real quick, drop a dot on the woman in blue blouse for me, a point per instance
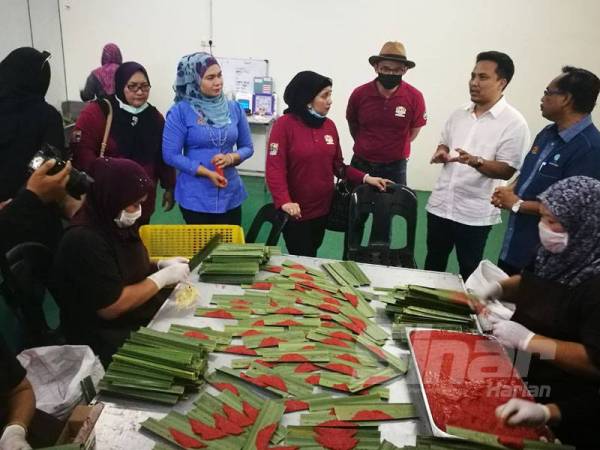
(200, 132)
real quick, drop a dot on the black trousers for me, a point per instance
(395, 171)
(304, 238)
(231, 217)
(443, 235)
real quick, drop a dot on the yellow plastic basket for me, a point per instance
(164, 241)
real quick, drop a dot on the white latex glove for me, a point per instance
(497, 309)
(162, 263)
(13, 438)
(491, 291)
(172, 274)
(511, 334)
(523, 412)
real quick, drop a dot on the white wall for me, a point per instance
(155, 33)
(336, 37)
(14, 23)
(45, 25)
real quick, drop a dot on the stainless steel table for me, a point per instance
(118, 425)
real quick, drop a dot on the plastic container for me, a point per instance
(165, 241)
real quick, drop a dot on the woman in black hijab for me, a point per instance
(135, 134)
(102, 278)
(26, 120)
(304, 155)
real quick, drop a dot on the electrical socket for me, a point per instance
(204, 43)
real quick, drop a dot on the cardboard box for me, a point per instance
(78, 432)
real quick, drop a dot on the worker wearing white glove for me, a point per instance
(491, 291)
(519, 412)
(162, 263)
(497, 309)
(511, 334)
(13, 438)
(172, 274)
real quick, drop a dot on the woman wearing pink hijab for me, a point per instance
(101, 82)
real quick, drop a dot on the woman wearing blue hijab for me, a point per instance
(201, 130)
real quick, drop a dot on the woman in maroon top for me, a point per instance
(136, 133)
(304, 154)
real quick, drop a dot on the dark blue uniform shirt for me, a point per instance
(554, 155)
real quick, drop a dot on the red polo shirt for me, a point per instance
(381, 126)
(301, 163)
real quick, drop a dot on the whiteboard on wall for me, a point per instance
(239, 73)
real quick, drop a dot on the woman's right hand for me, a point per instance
(172, 274)
(218, 180)
(293, 209)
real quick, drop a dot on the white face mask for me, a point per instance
(553, 241)
(127, 219)
(131, 109)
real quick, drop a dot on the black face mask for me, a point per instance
(389, 81)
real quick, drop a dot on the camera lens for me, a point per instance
(79, 183)
(36, 162)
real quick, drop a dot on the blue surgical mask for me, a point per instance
(131, 109)
(316, 114)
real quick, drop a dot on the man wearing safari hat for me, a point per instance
(385, 115)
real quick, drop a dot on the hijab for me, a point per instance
(24, 75)
(190, 70)
(301, 91)
(575, 202)
(118, 183)
(111, 59)
(26, 120)
(138, 136)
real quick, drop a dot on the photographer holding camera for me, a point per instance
(31, 215)
(24, 219)
(31, 135)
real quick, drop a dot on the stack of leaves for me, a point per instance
(156, 366)
(296, 330)
(346, 273)
(302, 329)
(473, 440)
(417, 306)
(356, 428)
(235, 419)
(234, 263)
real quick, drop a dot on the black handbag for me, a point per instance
(340, 206)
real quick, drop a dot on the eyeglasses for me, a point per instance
(548, 92)
(134, 87)
(388, 71)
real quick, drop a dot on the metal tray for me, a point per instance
(435, 430)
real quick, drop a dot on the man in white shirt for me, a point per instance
(482, 144)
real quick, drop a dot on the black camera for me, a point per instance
(79, 182)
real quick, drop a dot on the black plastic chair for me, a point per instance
(397, 200)
(25, 269)
(275, 217)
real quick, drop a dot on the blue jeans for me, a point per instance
(395, 170)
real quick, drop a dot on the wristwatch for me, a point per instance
(516, 206)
